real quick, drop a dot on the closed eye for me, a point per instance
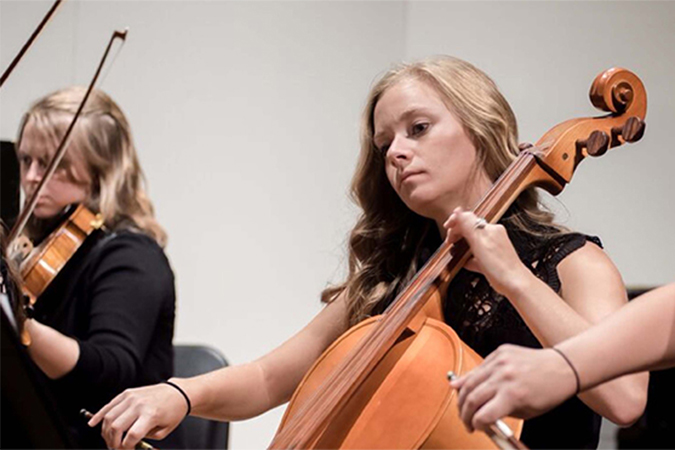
(25, 160)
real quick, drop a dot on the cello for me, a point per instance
(382, 383)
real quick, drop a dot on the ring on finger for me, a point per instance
(480, 224)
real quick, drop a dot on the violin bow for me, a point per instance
(29, 42)
(61, 150)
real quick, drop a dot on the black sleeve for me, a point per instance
(130, 289)
(560, 248)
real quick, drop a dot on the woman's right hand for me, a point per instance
(513, 381)
(152, 411)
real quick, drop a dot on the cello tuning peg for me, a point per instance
(631, 131)
(597, 143)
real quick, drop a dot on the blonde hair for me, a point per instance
(385, 242)
(103, 147)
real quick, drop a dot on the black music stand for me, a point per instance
(9, 184)
(28, 417)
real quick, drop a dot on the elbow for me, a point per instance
(630, 409)
(628, 416)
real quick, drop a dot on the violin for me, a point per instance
(40, 265)
(382, 384)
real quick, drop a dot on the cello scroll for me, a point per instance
(616, 90)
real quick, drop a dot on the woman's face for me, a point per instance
(61, 190)
(429, 158)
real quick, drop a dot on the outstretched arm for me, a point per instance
(231, 393)
(525, 382)
(642, 334)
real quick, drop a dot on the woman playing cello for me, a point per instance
(436, 134)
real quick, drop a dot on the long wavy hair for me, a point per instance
(101, 155)
(385, 242)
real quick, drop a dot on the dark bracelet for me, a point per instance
(569, 363)
(179, 389)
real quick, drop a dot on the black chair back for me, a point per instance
(194, 432)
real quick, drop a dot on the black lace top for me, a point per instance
(484, 320)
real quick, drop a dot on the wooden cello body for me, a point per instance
(383, 383)
(413, 373)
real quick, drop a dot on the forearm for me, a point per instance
(642, 333)
(549, 317)
(231, 393)
(245, 391)
(54, 353)
(553, 321)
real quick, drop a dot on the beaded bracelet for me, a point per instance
(179, 389)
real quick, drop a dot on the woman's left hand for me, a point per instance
(493, 253)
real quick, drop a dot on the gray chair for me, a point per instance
(194, 432)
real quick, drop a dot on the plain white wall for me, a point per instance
(246, 118)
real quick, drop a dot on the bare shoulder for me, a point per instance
(591, 283)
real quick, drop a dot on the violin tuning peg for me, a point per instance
(633, 129)
(597, 143)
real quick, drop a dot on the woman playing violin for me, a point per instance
(106, 321)
(435, 136)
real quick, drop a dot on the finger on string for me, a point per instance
(458, 227)
(453, 216)
(473, 265)
(453, 235)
